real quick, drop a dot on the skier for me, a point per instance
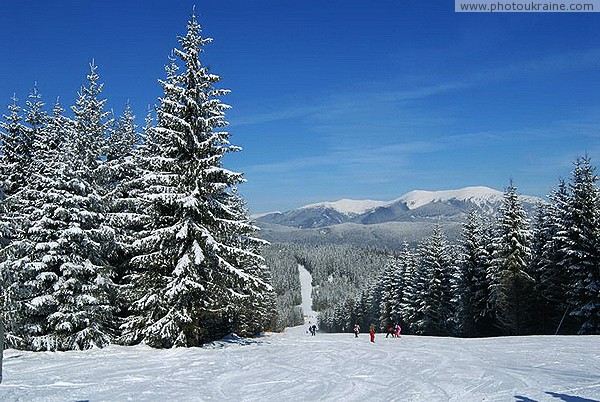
(356, 330)
(313, 330)
(372, 332)
(391, 332)
(397, 331)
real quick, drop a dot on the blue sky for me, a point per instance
(341, 99)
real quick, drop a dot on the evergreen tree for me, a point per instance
(197, 272)
(580, 237)
(388, 293)
(473, 288)
(120, 182)
(436, 274)
(510, 282)
(37, 118)
(551, 279)
(16, 149)
(13, 167)
(67, 280)
(15, 173)
(394, 288)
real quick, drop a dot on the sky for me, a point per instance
(340, 99)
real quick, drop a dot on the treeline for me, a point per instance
(113, 234)
(510, 276)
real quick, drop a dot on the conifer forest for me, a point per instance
(115, 233)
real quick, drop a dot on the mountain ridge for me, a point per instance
(414, 206)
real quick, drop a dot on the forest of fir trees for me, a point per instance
(510, 275)
(113, 234)
(109, 234)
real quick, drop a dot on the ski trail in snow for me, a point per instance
(310, 316)
(292, 366)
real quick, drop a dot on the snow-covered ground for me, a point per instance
(332, 367)
(294, 366)
(310, 316)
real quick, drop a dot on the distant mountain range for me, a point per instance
(450, 206)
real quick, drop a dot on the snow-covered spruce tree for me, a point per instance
(33, 278)
(472, 287)
(119, 182)
(551, 279)
(197, 274)
(71, 294)
(394, 288)
(410, 297)
(15, 177)
(580, 235)
(436, 274)
(511, 285)
(388, 292)
(371, 299)
(13, 166)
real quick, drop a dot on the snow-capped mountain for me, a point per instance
(348, 207)
(479, 196)
(414, 206)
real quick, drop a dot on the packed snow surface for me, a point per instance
(310, 316)
(294, 366)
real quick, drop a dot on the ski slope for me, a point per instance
(310, 316)
(294, 366)
(330, 367)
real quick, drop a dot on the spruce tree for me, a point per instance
(15, 173)
(197, 274)
(580, 238)
(436, 276)
(72, 288)
(551, 278)
(510, 282)
(472, 287)
(388, 292)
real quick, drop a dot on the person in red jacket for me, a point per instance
(372, 332)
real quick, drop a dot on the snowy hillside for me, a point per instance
(294, 366)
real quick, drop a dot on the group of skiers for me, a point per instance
(392, 330)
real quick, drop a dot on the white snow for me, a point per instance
(294, 366)
(310, 316)
(479, 195)
(347, 206)
(254, 217)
